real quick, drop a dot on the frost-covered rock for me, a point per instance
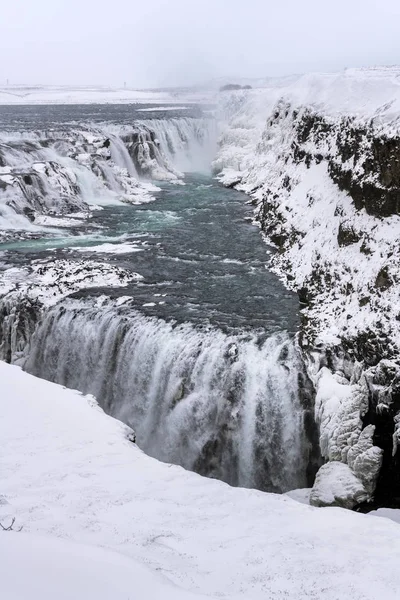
(26, 292)
(365, 459)
(336, 485)
(338, 409)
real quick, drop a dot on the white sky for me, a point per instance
(150, 43)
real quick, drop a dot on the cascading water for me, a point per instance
(233, 405)
(225, 406)
(189, 144)
(60, 172)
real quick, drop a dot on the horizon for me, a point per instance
(222, 79)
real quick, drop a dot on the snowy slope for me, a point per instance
(70, 472)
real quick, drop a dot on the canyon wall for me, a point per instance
(320, 159)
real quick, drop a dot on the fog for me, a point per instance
(157, 43)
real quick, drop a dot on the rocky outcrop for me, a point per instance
(26, 293)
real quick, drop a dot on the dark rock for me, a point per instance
(347, 235)
(365, 249)
(303, 295)
(230, 87)
(383, 280)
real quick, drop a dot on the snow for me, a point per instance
(301, 495)
(70, 473)
(48, 221)
(44, 568)
(79, 95)
(109, 248)
(336, 485)
(163, 108)
(387, 513)
(50, 281)
(338, 409)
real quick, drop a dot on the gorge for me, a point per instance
(154, 296)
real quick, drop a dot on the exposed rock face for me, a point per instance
(368, 167)
(324, 176)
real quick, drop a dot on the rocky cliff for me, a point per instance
(320, 160)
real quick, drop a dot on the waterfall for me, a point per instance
(60, 172)
(225, 406)
(120, 155)
(189, 144)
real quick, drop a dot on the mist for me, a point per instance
(180, 42)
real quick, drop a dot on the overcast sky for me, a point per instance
(150, 43)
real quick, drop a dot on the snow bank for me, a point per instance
(387, 513)
(70, 472)
(44, 568)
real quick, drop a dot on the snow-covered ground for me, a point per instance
(78, 95)
(72, 474)
(44, 568)
(46, 94)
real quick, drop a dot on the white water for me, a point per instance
(60, 172)
(189, 144)
(121, 157)
(225, 406)
(221, 405)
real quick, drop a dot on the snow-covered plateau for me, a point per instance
(101, 519)
(60, 95)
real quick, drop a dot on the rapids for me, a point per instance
(199, 356)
